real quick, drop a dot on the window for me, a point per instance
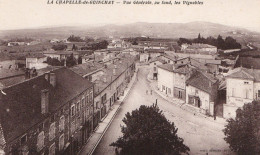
(246, 82)
(52, 149)
(155, 63)
(73, 126)
(90, 96)
(72, 112)
(61, 142)
(52, 132)
(196, 91)
(87, 99)
(163, 87)
(23, 139)
(87, 111)
(104, 98)
(154, 68)
(82, 102)
(40, 141)
(96, 105)
(78, 106)
(61, 123)
(258, 93)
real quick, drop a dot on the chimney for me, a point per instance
(47, 76)
(65, 63)
(105, 79)
(53, 79)
(34, 73)
(115, 66)
(45, 101)
(173, 67)
(27, 73)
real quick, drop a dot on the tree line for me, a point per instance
(25, 39)
(73, 38)
(219, 42)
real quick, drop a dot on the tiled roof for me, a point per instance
(36, 55)
(122, 65)
(155, 50)
(20, 105)
(12, 80)
(202, 81)
(216, 62)
(169, 57)
(10, 72)
(61, 52)
(86, 68)
(197, 46)
(168, 67)
(157, 59)
(182, 69)
(248, 62)
(244, 73)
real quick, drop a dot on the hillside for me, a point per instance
(164, 30)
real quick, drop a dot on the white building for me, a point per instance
(144, 57)
(153, 67)
(36, 62)
(243, 86)
(198, 48)
(166, 79)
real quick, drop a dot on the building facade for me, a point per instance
(55, 114)
(243, 86)
(202, 91)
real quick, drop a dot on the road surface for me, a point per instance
(200, 134)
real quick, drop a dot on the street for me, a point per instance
(199, 134)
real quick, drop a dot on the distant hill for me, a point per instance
(163, 30)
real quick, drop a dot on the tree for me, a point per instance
(134, 42)
(73, 38)
(59, 47)
(74, 47)
(80, 60)
(53, 62)
(220, 42)
(71, 61)
(148, 132)
(243, 133)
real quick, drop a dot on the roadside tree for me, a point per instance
(148, 132)
(243, 133)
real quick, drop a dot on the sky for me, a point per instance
(20, 14)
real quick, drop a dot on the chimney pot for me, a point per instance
(47, 76)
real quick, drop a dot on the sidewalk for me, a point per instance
(182, 104)
(99, 132)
